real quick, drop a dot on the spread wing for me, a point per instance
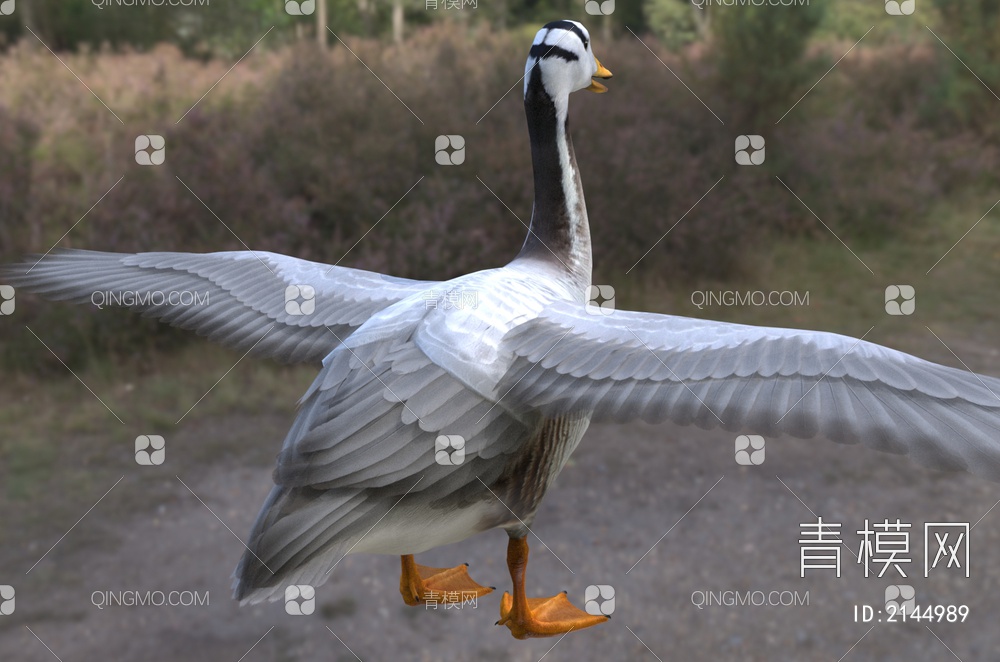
(752, 379)
(233, 298)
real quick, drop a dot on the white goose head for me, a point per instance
(562, 61)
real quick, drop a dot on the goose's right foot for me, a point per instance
(421, 584)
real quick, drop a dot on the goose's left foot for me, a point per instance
(537, 617)
(420, 584)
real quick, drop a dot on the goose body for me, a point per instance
(518, 376)
(365, 436)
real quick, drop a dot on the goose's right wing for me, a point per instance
(239, 299)
(753, 379)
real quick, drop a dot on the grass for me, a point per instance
(62, 449)
(154, 400)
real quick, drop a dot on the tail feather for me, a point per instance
(297, 538)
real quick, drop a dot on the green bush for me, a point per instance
(676, 22)
(967, 100)
(760, 58)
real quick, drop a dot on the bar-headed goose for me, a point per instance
(519, 376)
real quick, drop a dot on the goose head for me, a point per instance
(561, 61)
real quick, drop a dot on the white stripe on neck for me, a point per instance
(570, 180)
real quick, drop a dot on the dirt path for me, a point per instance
(626, 487)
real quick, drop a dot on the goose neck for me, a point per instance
(559, 230)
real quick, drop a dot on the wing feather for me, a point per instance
(755, 380)
(233, 298)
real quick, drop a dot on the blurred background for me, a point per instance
(301, 149)
(298, 133)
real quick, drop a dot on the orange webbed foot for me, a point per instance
(421, 584)
(545, 617)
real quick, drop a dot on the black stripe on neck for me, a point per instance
(550, 220)
(568, 25)
(541, 51)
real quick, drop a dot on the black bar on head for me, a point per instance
(542, 51)
(568, 25)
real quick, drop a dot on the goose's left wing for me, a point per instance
(767, 381)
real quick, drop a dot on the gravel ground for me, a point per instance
(625, 489)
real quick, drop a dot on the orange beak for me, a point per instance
(602, 72)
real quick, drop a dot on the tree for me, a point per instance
(321, 24)
(760, 57)
(972, 29)
(397, 21)
(677, 22)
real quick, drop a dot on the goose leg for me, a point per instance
(420, 584)
(537, 617)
